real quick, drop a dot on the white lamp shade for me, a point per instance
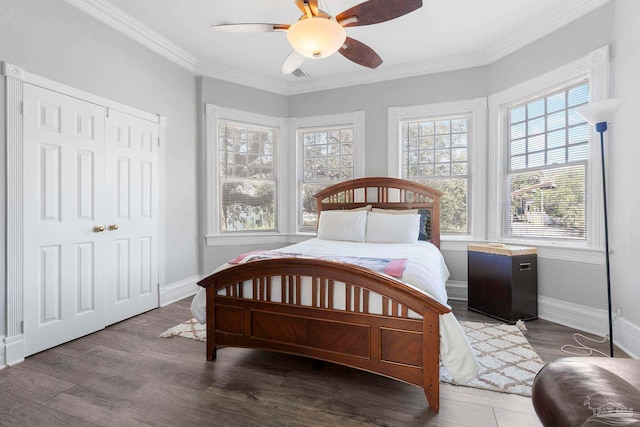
(600, 111)
(316, 37)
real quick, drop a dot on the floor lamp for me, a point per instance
(598, 114)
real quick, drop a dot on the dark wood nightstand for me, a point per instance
(503, 281)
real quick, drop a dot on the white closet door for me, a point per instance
(132, 196)
(64, 280)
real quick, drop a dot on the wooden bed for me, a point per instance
(389, 344)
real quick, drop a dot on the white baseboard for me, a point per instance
(3, 360)
(626, 335)
(178, 290)
(457, 290)
(582, 317)
(13, 350)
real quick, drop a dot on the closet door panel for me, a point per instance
(63, 202)
(132, 211)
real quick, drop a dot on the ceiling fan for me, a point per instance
(318, 35)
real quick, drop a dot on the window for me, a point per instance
(434, 145)
(327, 158)
(248, 176)
(435, 153)
(544, 162)
(242, 174)
(548, 151)
(330, 150)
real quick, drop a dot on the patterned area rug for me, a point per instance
(508, 364)
(190, 329)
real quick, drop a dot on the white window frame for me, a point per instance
(596, 68)
(354, 119)
(213, 235)
(476, 155)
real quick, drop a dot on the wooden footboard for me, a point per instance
(390, 343)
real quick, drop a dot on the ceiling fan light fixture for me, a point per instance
(316, 37)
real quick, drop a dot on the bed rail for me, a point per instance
(389, 343)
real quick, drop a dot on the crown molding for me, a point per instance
(391, 72)
(243, 78)
(117, 19)
(566, 13)
(109, 14)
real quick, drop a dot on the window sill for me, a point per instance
(563, 252)
(580, 254)
(245, 239)
(558, 252)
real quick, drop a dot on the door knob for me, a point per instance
(113, 227)
(98, 229)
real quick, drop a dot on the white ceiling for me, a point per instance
(442, 35)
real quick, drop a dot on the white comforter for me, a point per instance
(425, 271)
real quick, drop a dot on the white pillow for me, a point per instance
(342, 225)
(390, 228)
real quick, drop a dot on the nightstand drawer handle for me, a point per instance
(525, 266)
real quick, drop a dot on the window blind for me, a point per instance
(548, 151)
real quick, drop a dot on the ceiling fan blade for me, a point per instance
(249, 28)
(375, 11)
(293, 61)
(360, 53)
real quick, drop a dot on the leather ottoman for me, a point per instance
(588, 391)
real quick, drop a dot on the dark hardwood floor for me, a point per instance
(126, 375)
(545, 337)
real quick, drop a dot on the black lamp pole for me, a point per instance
(598, 113)
(601, 128)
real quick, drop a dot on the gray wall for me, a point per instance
(243, 98)
(231, 95)
(374, 99)
(623, 142)
(564, 45)
(57, 41)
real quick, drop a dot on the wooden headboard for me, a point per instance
(385, 193)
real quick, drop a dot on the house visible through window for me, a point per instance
(328, 157)
(435, 153)
(248, 176)
(548, 150)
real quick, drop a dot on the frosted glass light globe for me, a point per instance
(316, 37)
